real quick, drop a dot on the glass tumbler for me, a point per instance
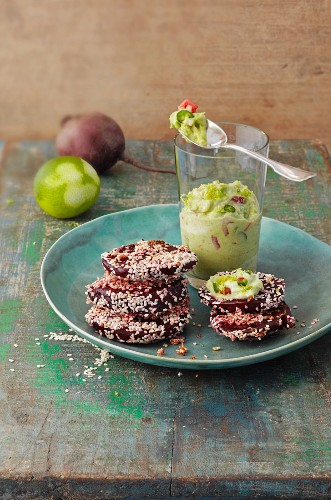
(222, 241)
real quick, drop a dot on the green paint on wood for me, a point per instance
(53, 321)
(9, 312)
(55, 376)
(118, 396)
(319, 448)
(4, 351)
(32, 245)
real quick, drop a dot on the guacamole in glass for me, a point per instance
(221, 224)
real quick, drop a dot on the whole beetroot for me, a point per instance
(97, 139)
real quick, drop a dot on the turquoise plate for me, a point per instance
(302, 260)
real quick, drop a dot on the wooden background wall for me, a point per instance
(262, 62)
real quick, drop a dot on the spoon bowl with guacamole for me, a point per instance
(197, 129)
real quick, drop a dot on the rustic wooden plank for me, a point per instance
(251, 425)
(46, 418)
(247, 66)
(303, 205)
(142, 430)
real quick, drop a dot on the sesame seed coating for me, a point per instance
(143, 297)
(251, 326)
(131, 328)
(269, 297)
(152, 259)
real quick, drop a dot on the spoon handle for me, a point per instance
(292, 173)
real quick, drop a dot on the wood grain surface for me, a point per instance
(261, 62)
(135, 430)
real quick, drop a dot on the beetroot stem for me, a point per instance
(136, 163)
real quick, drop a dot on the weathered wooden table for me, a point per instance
(136, 430)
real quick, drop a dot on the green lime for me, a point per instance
(66, 186)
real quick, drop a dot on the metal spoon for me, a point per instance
(217, 138)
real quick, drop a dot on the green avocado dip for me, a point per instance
(191, 124)
(221, 223)
(238, 284)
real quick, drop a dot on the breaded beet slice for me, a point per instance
(269, 297)
(151, 260)
(251, 326)
(131, 328)
(143, 297)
